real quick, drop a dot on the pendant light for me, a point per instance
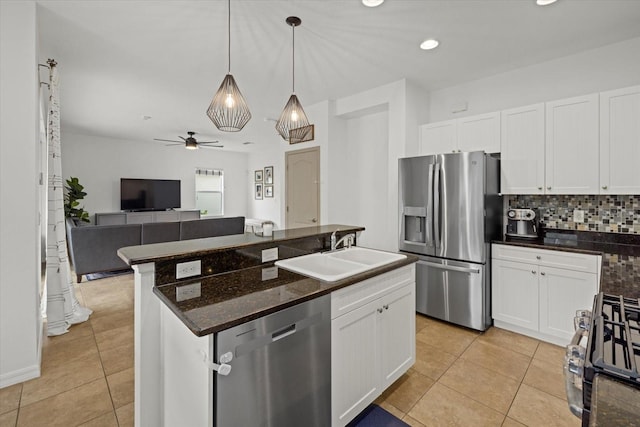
(228, 110)
(293, 115)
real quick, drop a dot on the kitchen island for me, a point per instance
(176, 321)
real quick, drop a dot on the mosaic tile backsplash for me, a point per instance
(603, 213)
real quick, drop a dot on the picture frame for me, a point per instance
(258, 175)
(258, 191)
(268, 191)
(268, 175)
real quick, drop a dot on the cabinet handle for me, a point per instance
(604, 187)
(453, 151)
(386, 307)
(379, 310)
(548, 188)
(543, 273)
(538, 257)
(533, 272)
(540, 188)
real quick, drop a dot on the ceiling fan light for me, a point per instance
(229, 110)
(372, 3)
(292, 117)
(191, 144)
(545, 2)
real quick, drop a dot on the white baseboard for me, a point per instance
(20, 375)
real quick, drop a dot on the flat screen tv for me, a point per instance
(149, 194)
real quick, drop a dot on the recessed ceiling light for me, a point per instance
(544, 2)
(429, 44)
(372, 3)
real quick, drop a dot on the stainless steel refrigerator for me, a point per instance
(450, 210)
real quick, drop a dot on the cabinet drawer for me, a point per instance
(355, 296)
(548, 258)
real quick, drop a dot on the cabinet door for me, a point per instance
(572, 149)
(514, 290)
(111, 218)
(355, 375)
(189, 215)
(562, 292)
(139, 217)
(479, 133)
(166, 216)
(522, 150)
(438, 138)
(397, 334)
(620, 141)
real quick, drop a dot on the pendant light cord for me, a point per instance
(293, 59)
(229, 36)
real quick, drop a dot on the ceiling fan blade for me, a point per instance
(171, 145)
(166, 140)
(213, 146)
(209, 142)
(182, 138)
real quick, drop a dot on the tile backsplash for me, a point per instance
(612, 214)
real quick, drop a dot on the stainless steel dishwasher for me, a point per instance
(280, 371)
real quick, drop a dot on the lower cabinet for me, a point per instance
(373, 340)
(532, 296)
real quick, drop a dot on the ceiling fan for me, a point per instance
(190, 142)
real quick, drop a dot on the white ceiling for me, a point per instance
(120, 60)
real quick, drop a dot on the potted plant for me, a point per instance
(72, 208)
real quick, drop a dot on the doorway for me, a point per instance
(302, 184)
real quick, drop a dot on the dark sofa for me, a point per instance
(93, 248)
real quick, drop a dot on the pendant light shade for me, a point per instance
(228, 110)
(293, 116)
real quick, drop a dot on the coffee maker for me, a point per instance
(522, 223)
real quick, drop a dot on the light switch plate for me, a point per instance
(193, 290)
(578, 215)
(188, 269)
(270, 255)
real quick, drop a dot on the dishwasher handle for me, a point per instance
(449, 267)
(283, 333)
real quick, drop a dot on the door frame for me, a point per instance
(286, 180)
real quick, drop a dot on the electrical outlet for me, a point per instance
(578, 215)
(193, 290)
(270, 254)
(188, 269)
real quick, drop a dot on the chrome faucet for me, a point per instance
(347, 239)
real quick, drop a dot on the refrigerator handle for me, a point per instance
(449, 267)
(436, 204)
(429, 216)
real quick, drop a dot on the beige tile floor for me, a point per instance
(460, 378)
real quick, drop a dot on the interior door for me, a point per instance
(302, 170)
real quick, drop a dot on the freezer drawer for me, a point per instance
(453, 291)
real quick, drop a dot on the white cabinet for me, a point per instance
(620, 141)
(474, 133)
(373, 340)
(536, 292)
(571, 146)
(522, 150)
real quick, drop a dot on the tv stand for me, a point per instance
(139, 217)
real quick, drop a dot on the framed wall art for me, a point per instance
(268, 191)
(259, 191)
(268, 175)
(258, 176)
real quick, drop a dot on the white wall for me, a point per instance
(609, 67)
(99, 163)
(20, 321)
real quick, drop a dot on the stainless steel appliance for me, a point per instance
(280, 369)
(522, 223)
(450, 210)
(612, 354)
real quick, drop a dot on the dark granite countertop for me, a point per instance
(232, 298)
(620, 273)
(614, 403)
(201, 247)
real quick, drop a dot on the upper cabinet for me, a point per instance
(522, 154)
(571, 146)
(474, 133)
(620, 141)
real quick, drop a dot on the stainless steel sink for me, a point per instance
(338, 265)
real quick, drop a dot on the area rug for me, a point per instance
(375, 416)
(106, 274)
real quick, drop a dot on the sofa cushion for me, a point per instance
(95, 248)
(157, 232)
(211, 227)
